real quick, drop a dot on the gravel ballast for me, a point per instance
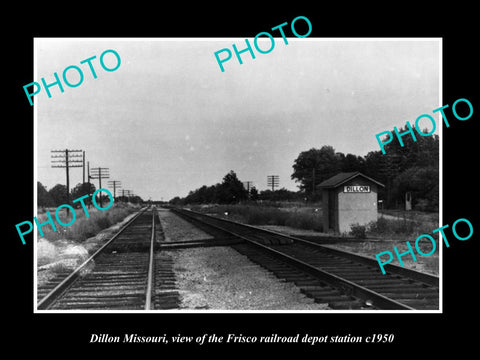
(366, 247)
(177, 229)
(219, 278)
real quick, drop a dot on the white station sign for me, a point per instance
(356, 189)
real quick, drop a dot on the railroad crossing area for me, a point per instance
(174, 259)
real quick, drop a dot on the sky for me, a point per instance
(168, 121)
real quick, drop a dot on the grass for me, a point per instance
(395, 225)
(66, 248)
(378, 236)
(84, 227)
(369, 248)
(390, 232)
(422, 216)
(301, 218)
(400, 228)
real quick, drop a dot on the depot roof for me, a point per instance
(343, 177)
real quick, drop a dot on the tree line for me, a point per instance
(412, 168)
(57, 195)
(230, 191)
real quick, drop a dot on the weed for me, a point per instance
(397, 228)
(84, 227)
(358, 231)
(267, 215)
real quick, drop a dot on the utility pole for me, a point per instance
(127, 193)
(66, 159)
(247, 184)
(116, 185)
(100, 173)
(88, 171)
(273, 181)
(83, 164)
(89, 185)
(314, 180)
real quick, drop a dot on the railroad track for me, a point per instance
(126, 273)
(341, 279)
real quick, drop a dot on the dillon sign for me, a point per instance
(356, 189)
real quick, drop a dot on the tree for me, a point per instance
(374, 165)
(280, 195)
(202, 195)
(315, 165)
(133, 199)
(59, 195)
(43, 197)
(253, 193)
(422, 182)
(176, 201)
(352, 163)
(82, 189)
(422, 153)
(231, 189)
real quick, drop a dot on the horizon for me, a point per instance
(169, 114)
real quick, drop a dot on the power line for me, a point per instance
(100, 173)
(273, 181)
(83, 163)
(247, 185)
(66, 159)
(127, 193)
(116, 185)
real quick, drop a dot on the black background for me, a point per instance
(414, 333)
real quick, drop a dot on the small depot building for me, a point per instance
(348, 198)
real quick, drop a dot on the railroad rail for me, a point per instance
(123, 274)
(339, 278)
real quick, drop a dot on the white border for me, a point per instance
(440, 176)
(35, 237)
(35, 179)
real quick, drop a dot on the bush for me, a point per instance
(304, 221)
(358, 231)
(399, 227)
(82, 229)
(379, 227)
(423, 205)
(102, 221)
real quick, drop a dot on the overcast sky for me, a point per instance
(168, 120)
